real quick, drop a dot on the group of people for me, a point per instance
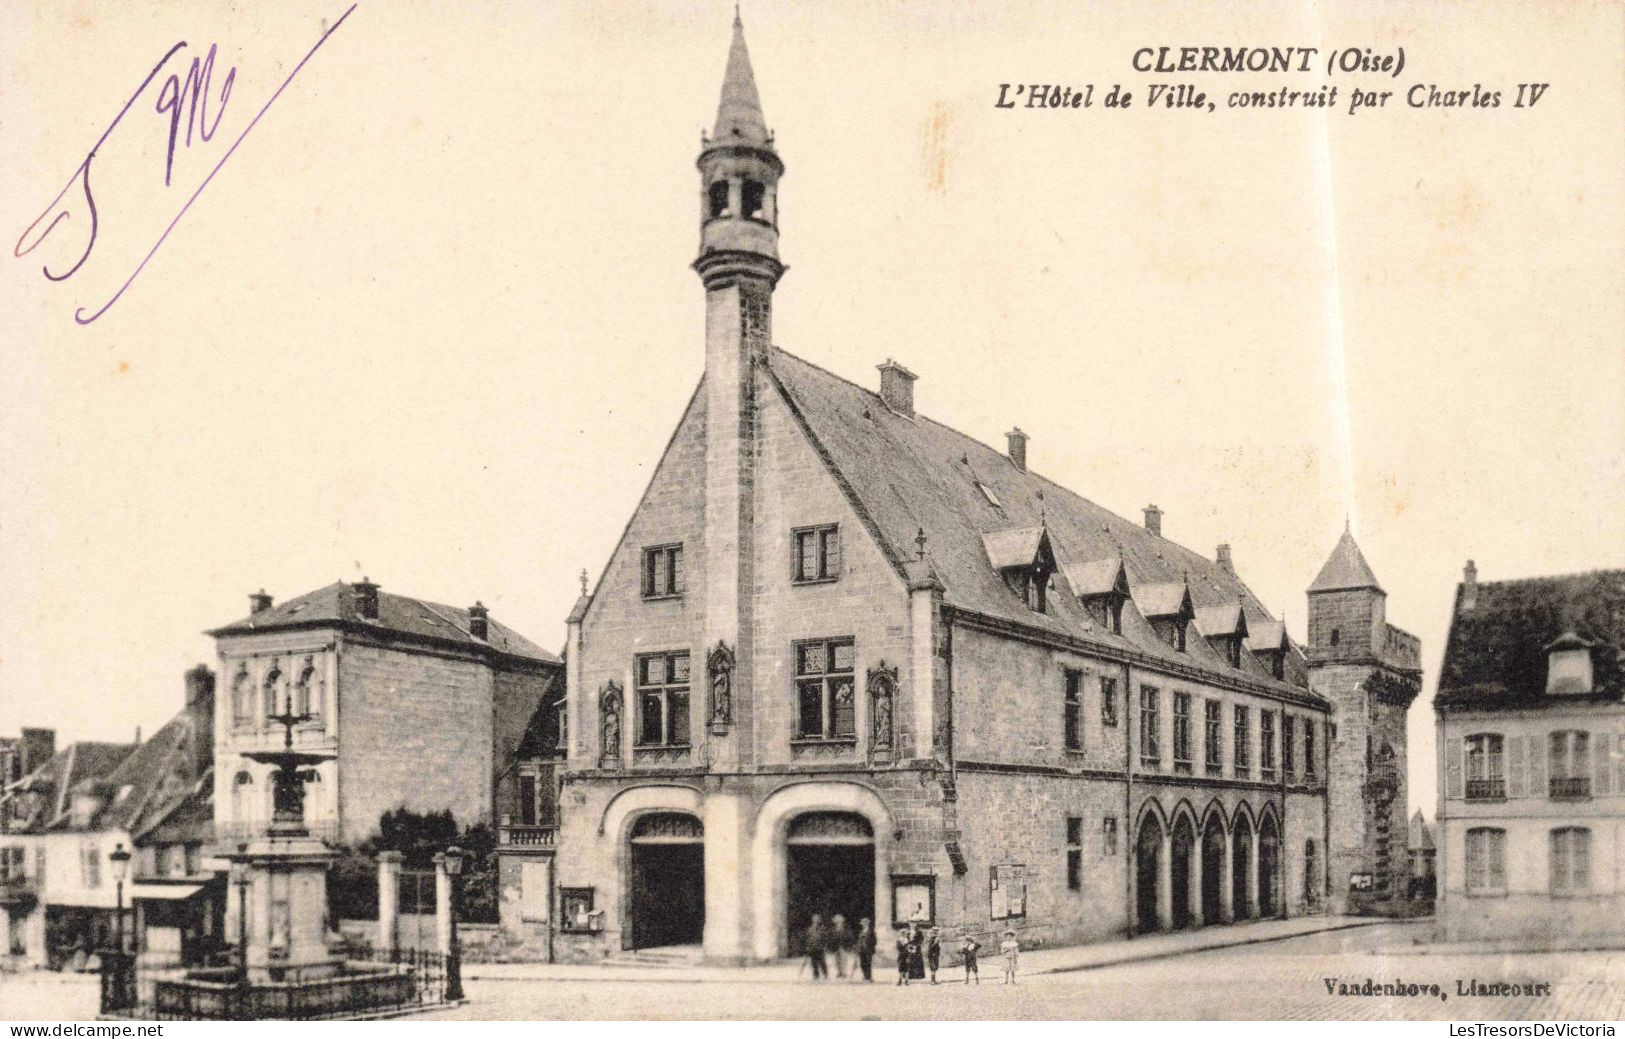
(919, 951)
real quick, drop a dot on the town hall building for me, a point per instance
(847, 660)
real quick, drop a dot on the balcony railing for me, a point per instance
(536, 836)
(227, 836)
(15, 887)
(1570, 788)
(1486, 789)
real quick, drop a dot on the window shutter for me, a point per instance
(1537, 766)
(1452, 770)
(1517, 770)
(1619, 763)
(1603, 763)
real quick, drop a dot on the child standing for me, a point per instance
(967, 952)
(1011, 949)
(933, 952)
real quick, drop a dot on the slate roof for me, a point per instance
(908, 473)
(151, 776)
(1345, 569)
(739, 111)
(1495, 654)
(186, 819)
(335, 605)
(81, 762)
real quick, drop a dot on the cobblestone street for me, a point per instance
(1274, 980)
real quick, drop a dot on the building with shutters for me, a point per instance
(848, 661)
(1530, 830)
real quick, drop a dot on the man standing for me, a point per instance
(838, 939)
(816, 938)
(866, 950)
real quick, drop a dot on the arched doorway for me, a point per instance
(1147, 853)
(830, 862)
(1184, 844)
(1241, 853)
(1269, 861)
(668, 880)
(1213, 878)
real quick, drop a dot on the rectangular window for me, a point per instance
(1182, 732)
(1569, 754)
(90, 866)
(1150, 727)
(817, 553)
(1571, 860)
(825, 697)
(663, 699)
(1266, 743)
(663, 571)
(1213, 726)
(1108, 701)
(1243, 760)
(1073, 709)
(1108, 835)
(1486, 769)
(1074, 853)
(1486, 860)
(1289, 749)
(1309, 765)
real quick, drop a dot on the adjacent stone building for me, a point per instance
(1531, 723)
(846, 660)
(422, 704)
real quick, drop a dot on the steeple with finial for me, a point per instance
(739, 193)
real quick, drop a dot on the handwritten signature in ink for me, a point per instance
(189, 95)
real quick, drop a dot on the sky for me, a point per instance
(431, 320)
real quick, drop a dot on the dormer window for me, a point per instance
(1225, 626)
(1102, 587)
(1568, 666)
(1168, 607)
(1025, 561)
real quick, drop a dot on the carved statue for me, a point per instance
(882, 688)
(720, 664)
(610, 707)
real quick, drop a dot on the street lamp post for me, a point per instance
(120, 858)
(240, 877)
(454, 960)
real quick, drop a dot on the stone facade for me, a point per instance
(763, 726)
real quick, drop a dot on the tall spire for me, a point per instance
(739, 112)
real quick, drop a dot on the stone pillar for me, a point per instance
(1195, 875)
(727, 879)
(442, 905)
(1252, 875)
(389, 901)
(1165, 883)
(1227, 881)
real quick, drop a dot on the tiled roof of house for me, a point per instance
(85, 761)
(336, 605)
(906, 473)
(186, 819)
(150, 777)
(1496, 650)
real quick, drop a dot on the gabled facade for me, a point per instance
(847, 661)
(417, 701)
(1531, 722)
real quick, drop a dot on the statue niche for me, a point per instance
(609, 713)
(719, 666)
(882, 701)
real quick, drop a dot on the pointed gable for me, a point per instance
(1225, 620)
(1164, 599)
(1097, 577)
(1024, 546)
(1346, 568)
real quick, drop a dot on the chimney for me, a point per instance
(1222, 557)
(366, 599)
(200, 706)
(259, 602)
(479, 621)
(897, 387)
(1153, 520)
(1469, 586)
(1017, 441)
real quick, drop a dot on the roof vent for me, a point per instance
(1017, 441)
(897, 387)
(1153, 520)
